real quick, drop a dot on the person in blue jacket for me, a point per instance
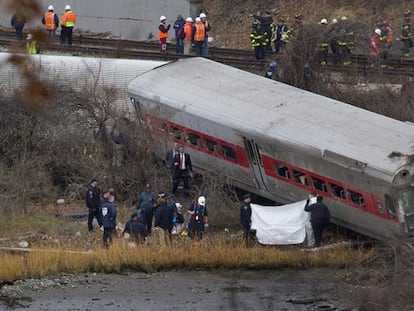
(179, 34)
(108, 217)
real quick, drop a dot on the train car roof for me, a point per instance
(75, 71)
(251, 103)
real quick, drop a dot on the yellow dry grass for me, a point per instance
(150, 258)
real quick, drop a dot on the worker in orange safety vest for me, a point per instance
(51, 21)
(67, 24)
(163, 34)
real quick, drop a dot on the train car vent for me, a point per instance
(343, 161)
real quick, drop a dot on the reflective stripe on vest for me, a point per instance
(199, 33)
(50, 21)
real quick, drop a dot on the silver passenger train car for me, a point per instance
(282, 142)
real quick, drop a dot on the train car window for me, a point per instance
(178, 133)
(356, 198)
(379, 207)
(318, 184)
(338, 191)
(193, 139)
(390, 205)
(211, 145)
(229, 152)
(282, 170)
(300, 178)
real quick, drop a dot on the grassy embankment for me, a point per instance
(56, 249)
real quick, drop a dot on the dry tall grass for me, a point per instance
(149, 258)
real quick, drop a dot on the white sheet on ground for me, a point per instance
(280, 225)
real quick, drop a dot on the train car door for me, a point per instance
(256, 163)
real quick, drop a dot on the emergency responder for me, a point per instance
(207, 28)
(245, 217)
(266, 21)
(67, 24)
(387, 37)
(188, 30)
(345, 41)
(259, 40)
(31, 45)
(406, 35)
(280, 36)
(51, 21)
(108, 216)
(323, 45)
(198, 219)
(146, 203)
(333, 36)
(375, 48)
(319, 218)
(163, 29)
(198, 35)
(93, 202)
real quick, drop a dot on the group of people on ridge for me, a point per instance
(189, 34)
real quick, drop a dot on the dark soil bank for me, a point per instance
(239, 290)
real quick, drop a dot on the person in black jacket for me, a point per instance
(136, 227)
(93, 202)
(18, 20)
(164, 218)
(319, 218)
(245, 217)
(108, 213)
(182, 170)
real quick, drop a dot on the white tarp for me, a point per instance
(280, 225)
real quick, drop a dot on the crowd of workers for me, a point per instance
(338, 38)
(268, 35)
(189, 34)
(51, 22)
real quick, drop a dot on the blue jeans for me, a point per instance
(179, 46)
(205, 47)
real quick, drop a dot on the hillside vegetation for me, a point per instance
(231, 20)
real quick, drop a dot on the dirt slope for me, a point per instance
(231, 20)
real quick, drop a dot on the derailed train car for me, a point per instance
(75, 73)
(282, 142)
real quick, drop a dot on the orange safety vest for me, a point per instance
(188, 29)
(68, 19)
(161, 34)
(50, 21)
(390, 35)
(200, 32)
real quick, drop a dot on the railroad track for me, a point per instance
(398, 67)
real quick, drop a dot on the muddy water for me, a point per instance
(237, 290)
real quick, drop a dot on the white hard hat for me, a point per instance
(189, 19)
(29, 36)
(324, 21)
(334, 21)
(203, 15)
(162, 17)
(344, 18)
(378, 31)
(50, 8)
(202, 201)
(67, 7)
(198, 19)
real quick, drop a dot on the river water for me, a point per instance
(314, 289)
